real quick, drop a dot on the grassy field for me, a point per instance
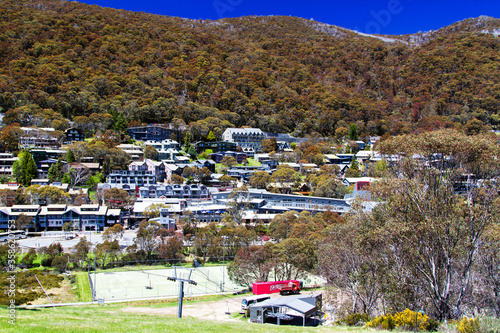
(83, 287)
(112, 318)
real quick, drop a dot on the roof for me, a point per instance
(244, 130)
(300, 303)
(91, 165)
(353, 180)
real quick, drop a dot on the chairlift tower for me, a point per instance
(181, 285)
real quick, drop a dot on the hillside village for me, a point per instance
(249, 150)
(195, 177)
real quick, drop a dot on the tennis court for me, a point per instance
(155, 284)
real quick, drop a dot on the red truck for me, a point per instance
(283, 287)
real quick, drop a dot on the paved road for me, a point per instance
(53, 237)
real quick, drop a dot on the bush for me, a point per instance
(467, 325)
(489, 324)
(406, 320)
(47, 262)
(354, 319)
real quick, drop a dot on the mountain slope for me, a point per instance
(282, 74)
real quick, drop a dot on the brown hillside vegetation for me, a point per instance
(282, 74)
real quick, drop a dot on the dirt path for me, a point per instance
(213, 310)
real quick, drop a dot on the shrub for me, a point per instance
(406, 320)
(467, 325)
(354, 319)
(489, 324)
(47, 262)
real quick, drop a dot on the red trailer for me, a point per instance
(283, 287)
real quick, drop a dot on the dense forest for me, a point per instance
(62, 59)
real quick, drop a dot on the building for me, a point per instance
(39, 137)
(215, 146)
(209, 164)
(135, 152)
(157, 168)
(193, 191)
(42, 167)
(12, 213)
(296, 310)
(245, 137)
(277, 203)
(165, 220)
(167, 149)
(129, 181)
(53, 217)
(150, 133)
(45, 154)
(73, 134)
(339, 158)
(240, 157)
(6, 162)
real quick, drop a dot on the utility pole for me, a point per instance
(223, 262)
(181, 287)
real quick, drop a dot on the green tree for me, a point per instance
(238, 202)
(285, 177)
(81, 250)
(211, 136)
(95, 179)
(353, 170)
(119, 121)
(251, 264)
(30, 257)
(55, 173)
(107, 250)
(474, 127)
(153, 210)
(281, 225)
(24, 222)
(151, 153)
(269, 145)
(433, 229)
(353, 132)
(293, 257)
(171, 250)
(117, 198)
(228, 161)
(191, 152)
(146, 237)
(24, 169)
(260, 179)
(70, 157)
(9, 137)
(49, 194)
(187, 140)
(113, 233)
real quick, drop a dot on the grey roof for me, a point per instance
(297, 303)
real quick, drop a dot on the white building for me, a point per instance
(245, 137)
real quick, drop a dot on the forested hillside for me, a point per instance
(282, 74)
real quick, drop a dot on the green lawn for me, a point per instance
(112, 318)
(83, 287)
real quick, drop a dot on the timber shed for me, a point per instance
(289, 310)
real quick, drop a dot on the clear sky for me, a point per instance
(375, 16)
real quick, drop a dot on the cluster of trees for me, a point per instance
(432, 242)
(293, 253)
(103, 68)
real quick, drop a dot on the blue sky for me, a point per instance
(376, 16)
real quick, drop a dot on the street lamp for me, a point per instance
(223, 262)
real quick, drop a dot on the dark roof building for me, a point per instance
(150, 133)
(216, 146)
(73, 134)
